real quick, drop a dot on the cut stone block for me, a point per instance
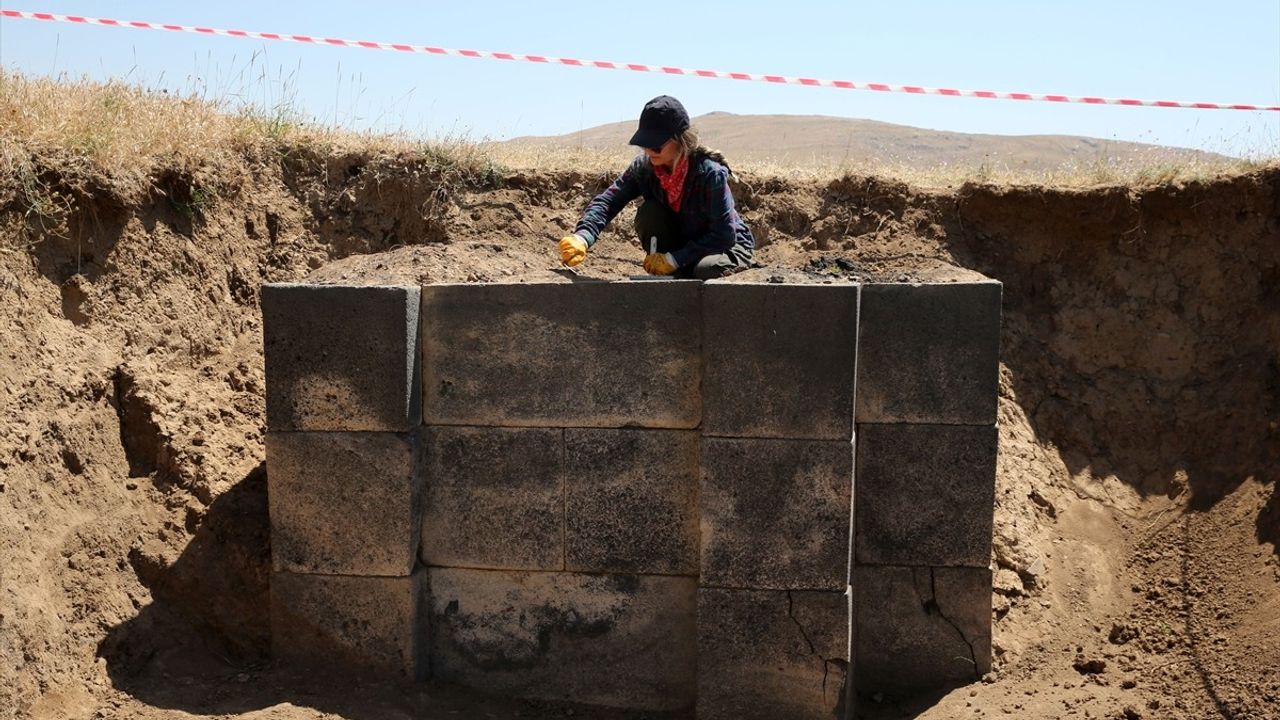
(494, 498)
(925, 495)
(343, 622)
(341, 358)
(344, 503)
(920, 628)
(780, 360)
(776, 513)
(772, 654)
(622, 354)
(929, 353)
(632, 501)
(615, 640)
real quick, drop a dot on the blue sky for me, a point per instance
(1227, 51)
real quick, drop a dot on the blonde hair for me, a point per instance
(691, 146)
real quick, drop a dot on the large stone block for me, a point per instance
(780, 360)
(772, 654)
(929, 353)
(919, 629)
(631, 499)
(615, 640)
(776, 513)
(344, 503)
(494, 498)
(335, 621)
(341, 358)
(925, 494)
(623, 354)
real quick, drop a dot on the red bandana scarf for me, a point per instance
(673, 182)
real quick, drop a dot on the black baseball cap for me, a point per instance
(662, 119)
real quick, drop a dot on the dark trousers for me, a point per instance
(656, 220)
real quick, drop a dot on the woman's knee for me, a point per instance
(713, 266)
(654, 220)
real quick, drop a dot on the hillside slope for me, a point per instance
(814, 139)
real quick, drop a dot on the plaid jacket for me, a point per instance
(709, 223)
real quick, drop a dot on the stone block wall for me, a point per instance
(776, 499)
(924, 486)
(560, 530)
(637, 494)
(345, 477)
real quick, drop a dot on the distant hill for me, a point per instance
(816, 139)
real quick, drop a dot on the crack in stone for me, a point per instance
(826, 662)
(932, 605)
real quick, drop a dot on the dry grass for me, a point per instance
(116, 125)
(128, 131)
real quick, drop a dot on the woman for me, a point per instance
(687, 225)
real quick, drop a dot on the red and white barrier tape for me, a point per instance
(635, 67)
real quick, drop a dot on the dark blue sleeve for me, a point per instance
(606, 206)
(718, 205)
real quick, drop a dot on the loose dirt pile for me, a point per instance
(1137, 518)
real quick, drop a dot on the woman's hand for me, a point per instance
(659, 264)
(573, 250)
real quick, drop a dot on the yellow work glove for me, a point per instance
(573, 250)
(659, 264)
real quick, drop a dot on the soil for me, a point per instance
(1137, 517)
